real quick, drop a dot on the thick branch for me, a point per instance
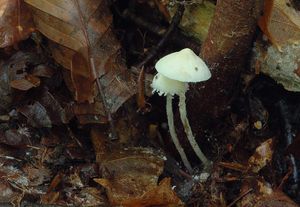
(226, 51)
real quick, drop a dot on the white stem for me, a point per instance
(189, 133)
(174, 135)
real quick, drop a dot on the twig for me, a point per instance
(114, 134)
(175, 21)
(240, 197)
(94, 74)
(143, 105)
(179, 39)
(285, 178)
(159, 30)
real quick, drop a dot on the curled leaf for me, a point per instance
(280, 23)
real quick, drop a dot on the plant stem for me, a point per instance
(174, 137)
(189, 133)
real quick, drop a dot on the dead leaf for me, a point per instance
(100, 146)
(36, 115)
(50, 198)
(15, 22)
(161, 195)
(263, 155)
(57, 113)
(61, 21)
(7, 193)
(25, 84)
(130, 173)
(83, 83)
(88, 196)
(263, 195)
(14, 137)
(37, 176)
(14, 69)
(43, 71)
(280, 23)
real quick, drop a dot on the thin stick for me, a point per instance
(174, 137)
(240, 197)
(94, 74)
(175, 21)
(114, 134)
(178, 38)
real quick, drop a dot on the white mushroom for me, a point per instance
(184, 67)
(168, 87)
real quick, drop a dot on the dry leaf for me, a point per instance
(43, 71)
(161, 195)
(36, 115)
(61, 22)
(130, 173)
(263, 155)
(15, 22)
(262, 195)
(280, 23)
(25, 84)
(14, 137)
(15, 69)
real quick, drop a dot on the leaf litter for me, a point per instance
(54, 145)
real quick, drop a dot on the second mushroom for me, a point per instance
(175, 71)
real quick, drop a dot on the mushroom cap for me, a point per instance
(164, 86)
(184, 66)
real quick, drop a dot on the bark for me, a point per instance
(226, 51)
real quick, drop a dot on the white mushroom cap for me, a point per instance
(164, 86)
(184, 66)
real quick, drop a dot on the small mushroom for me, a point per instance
(168, 87)
(180, 68)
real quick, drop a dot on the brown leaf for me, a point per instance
(15, 69)
(43, 71)
(264, 196)
(88, 196)
(56, 112)
(15, 22)
(280, 23)
(161, 195)
(61, 22)
(36, 115)
(29, 82)
(7, 193)
(21, 84)
(128, 174)
(82, 78)
(50, 198)
(263, 155)
(14, 137)
(37, 176)
(276, 199)
(98, 139)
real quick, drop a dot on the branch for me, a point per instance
(226, 51)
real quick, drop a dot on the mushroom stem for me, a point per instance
(174, 137)
(189, 133)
